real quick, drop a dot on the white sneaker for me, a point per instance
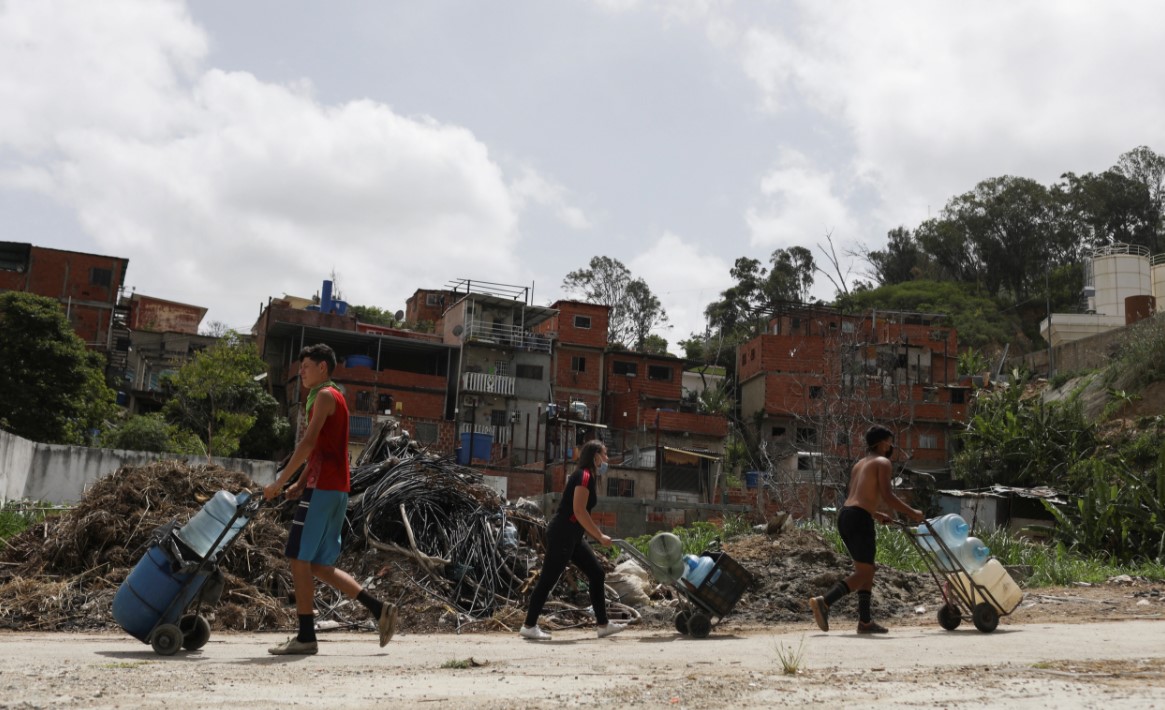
(610, 629)
(534, 633)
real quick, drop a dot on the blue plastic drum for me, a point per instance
(149, 590)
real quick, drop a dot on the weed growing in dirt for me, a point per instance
(16, 516)
(1052, 564)
(459, 663)
(790, 658)
(698, 536)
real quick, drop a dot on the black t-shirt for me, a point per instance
(580, 477)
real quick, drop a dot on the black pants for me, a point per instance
(564, 544)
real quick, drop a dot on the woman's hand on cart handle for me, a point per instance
(604, 540)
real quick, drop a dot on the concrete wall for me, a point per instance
(1086, 354)
(61, 474)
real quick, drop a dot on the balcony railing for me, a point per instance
(485, 383)
(502, 334)
(500, 434)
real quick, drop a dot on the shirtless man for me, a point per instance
(869, 486)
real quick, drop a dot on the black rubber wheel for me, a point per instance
(682, 622)
(699, 625)
(195, 631)
(949, 617)
(985, 617)
(167, 639)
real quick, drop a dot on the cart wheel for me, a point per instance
(195, 631)
(166, 640)
(682, 622)
(699, 625)
(985, 617)
(949, 617)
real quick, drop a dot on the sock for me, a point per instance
(838, 591)
(371, 603)
(864, 597)
(307, 628)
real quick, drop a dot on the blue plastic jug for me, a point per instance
(697, 575)
(951, 528)
(207, 524)
(973, 554)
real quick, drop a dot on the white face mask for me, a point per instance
(602, 468)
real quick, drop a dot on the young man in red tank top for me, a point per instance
(313, 543)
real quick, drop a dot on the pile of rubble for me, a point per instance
(423, 533)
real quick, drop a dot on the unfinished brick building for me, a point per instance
(818, 378)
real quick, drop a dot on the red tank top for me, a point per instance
(327, 466)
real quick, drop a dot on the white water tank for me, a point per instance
(1157, 271)
(1119, 271)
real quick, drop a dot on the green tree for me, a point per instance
(655, 345)
(215, 394)
(1004, 227)
(1018, 442)
(902, 260)
(745, 306)
(1103, 209)
(150, 432)
(375, 316)
(635, 310)
(1148, 168)
(52, 389)
(978, 320)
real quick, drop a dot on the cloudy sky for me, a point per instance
(235, 151)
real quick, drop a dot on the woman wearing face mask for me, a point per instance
(564, 543)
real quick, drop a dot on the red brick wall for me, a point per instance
(564, 324)
(418, 310)
(706, 424)
(159, 316)
(66, 276)
(419, 395)
(565, 378)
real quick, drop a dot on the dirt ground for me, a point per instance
(1079, 646)
(1021, 665)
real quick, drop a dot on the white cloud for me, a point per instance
(800, 204)
(937, 96)
(224, 189)
(533, 187)
(686, 277)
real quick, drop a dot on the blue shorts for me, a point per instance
(315, 531)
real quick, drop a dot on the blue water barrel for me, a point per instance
(751, 478)
(463, 452)
(482, 445)
(358, 361)
(150, 588)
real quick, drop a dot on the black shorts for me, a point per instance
(856, 526)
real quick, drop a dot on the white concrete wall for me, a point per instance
(61, 474)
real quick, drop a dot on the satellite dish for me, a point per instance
(457, 330)
(399, 315)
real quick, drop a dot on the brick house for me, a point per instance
(501, 370)
(88, 287)
(162, 336)
(660, 447)
(382, 371)
(818, 378)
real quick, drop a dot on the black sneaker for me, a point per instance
(820, 612)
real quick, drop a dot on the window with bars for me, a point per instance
(620, 488)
